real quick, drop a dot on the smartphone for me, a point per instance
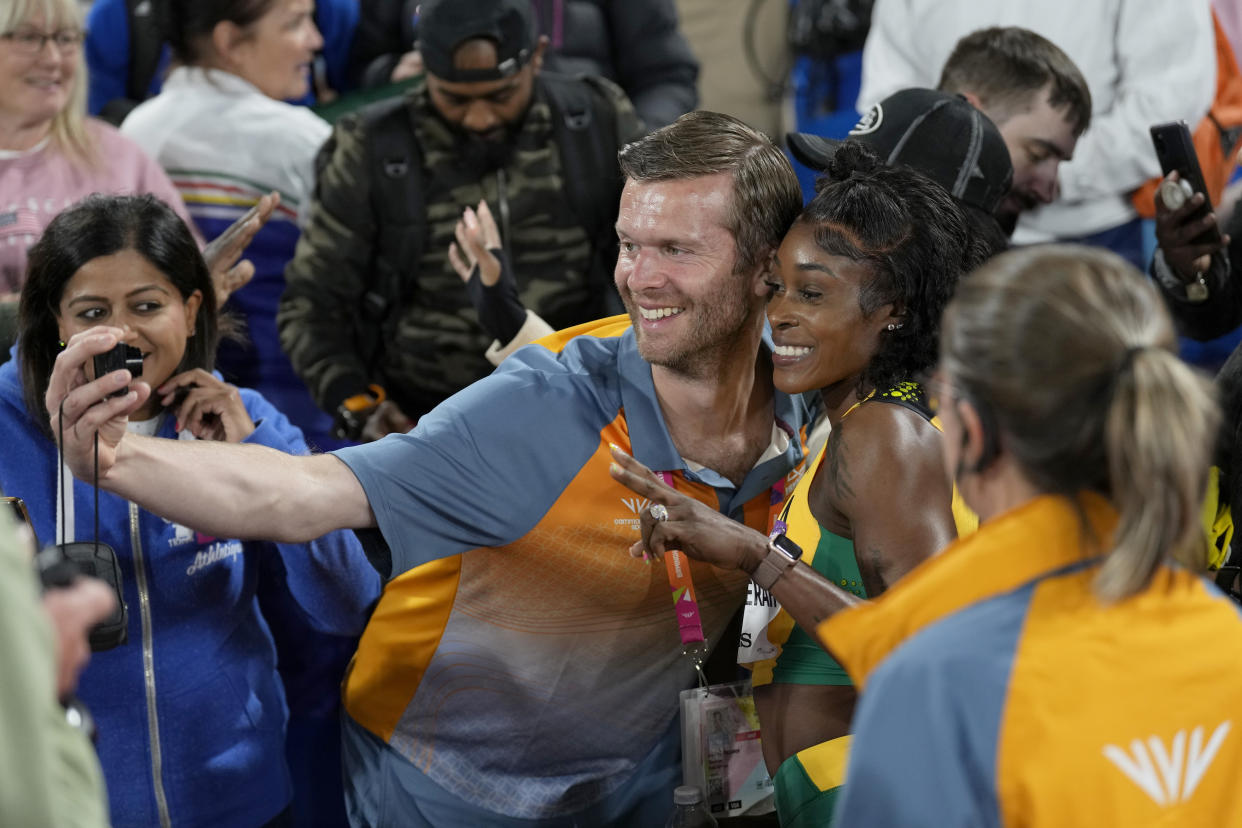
(1176, 151)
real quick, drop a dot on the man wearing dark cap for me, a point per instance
(940, 135)
(373, 318)
(636, 43)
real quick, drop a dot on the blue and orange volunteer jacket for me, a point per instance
(519, 657)
(998, 690)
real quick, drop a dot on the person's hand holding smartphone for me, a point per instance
(1186, 227)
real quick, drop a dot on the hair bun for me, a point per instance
(852, 157)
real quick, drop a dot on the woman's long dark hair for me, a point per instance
(98, 226)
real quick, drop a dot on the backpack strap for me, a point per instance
(589, 132)
(401, 213)
(396, 178)
(584, 128)
(146, 45)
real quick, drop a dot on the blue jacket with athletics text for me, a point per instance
(190, 710)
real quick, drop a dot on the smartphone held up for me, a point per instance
(1176, 151)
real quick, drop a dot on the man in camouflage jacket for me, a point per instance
(484, 128)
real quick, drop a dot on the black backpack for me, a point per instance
(588, 136)
(146, 45)
(826, 29)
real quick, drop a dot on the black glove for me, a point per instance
(500, 309)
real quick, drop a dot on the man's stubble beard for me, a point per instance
(699, 353)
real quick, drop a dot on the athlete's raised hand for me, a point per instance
(676, 521)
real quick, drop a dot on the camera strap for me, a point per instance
(90, 557)
(65, 513)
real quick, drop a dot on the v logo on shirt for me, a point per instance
(1168, 775)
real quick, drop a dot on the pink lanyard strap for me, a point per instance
(681, 582)
(685, 604)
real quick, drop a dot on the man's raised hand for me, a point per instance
(80, 408)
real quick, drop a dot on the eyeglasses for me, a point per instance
(32, 41)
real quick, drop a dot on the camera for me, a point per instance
(121, 358)
(60, 564)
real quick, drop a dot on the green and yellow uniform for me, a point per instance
(807, 783)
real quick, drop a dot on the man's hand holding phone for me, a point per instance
(81, 406)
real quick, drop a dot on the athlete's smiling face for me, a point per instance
(821, 335)
(126, 291)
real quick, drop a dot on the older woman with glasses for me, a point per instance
(52, 155)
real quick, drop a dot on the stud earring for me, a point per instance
(61, 343)
(892, 326)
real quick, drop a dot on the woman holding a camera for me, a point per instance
(190, 710)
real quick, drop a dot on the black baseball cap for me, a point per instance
(443, 25)
(940, 135)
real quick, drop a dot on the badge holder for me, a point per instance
(721, 751)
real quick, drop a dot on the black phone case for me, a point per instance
(1176, 151)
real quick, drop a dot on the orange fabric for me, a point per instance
(601, 328)
(574, 559)
(1077, 696)
(409, 620)
(1217, 157)
(997, 558)
(398, 643)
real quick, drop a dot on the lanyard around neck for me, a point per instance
(681, 582)
(685, 603)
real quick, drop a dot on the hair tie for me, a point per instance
(1113, 380)
(1127, 359)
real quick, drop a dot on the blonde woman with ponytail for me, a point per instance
(1067, 664)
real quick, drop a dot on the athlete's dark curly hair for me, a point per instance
(915, 237)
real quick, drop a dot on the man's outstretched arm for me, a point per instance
(223, 489)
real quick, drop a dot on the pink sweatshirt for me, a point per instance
(36, 185)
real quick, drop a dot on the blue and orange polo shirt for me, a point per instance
(519, 657)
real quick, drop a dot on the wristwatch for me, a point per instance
(1193, 292)
(352, 414)
(783, 555)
